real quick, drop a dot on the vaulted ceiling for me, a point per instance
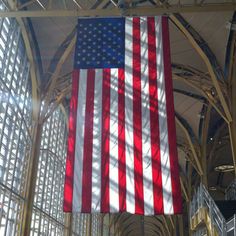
(201, 59)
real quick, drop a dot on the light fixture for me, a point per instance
(213, 92)
(212, 188)
(224, 168)
(217, 188)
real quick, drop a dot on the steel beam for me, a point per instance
(216, 137)
(32, 176)
(56, 102)
(192, 147)
(208, 57)
(171, 221)
(204, 144)
(205, 92)
(56, 59)
(88, 224)
(200, 82)
(26, 4)
(68, 224)
(232, 133)
(232, 91)
(100, 4)
(164, 220)
(184, 190)
(232, 125)
(137, 11)
(52, 83)
(181, 225)
(189, 155)
(230, 50)
(33, 74)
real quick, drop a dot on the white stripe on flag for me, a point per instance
(96, 156)
(129, 142)
(164, 146)
(79, 147)
(113, 162)
(146, 138)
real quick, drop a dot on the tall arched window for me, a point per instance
(15, 125)
(48, 217)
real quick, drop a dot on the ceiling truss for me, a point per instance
(77, 8)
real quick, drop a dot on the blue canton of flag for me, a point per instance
(100, 43)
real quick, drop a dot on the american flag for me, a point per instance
(122, 154)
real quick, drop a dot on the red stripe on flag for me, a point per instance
(69, 177)
(137, 119)
(176, 193)
(154, 119)
(88, 143)
(121, 140)
(105, 155)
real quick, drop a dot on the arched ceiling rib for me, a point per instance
(207, 55)
(212, 27)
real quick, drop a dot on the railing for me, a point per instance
(200, 232)
(230, 192)
(202, 199)
(231, 226)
